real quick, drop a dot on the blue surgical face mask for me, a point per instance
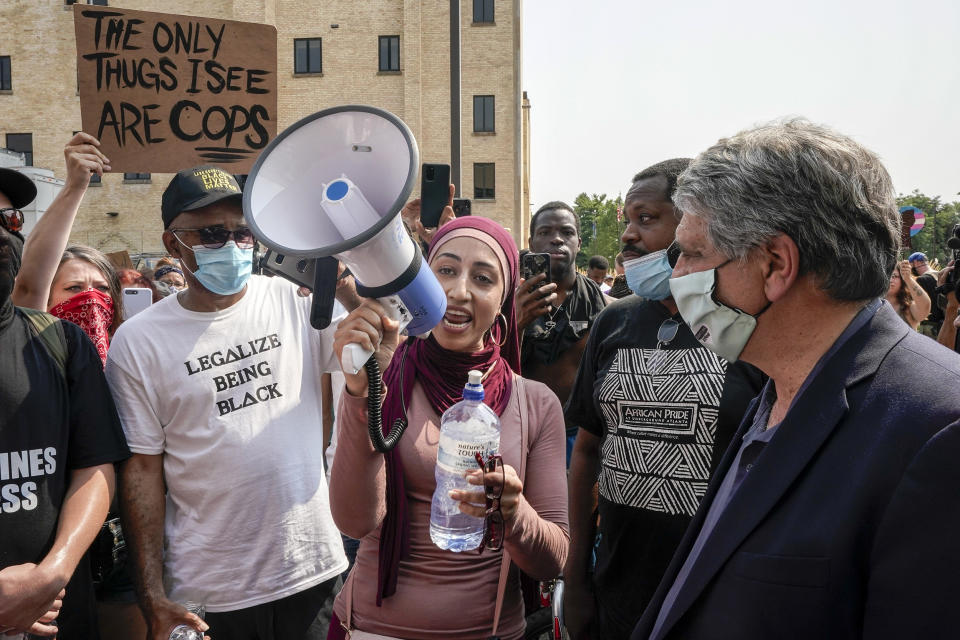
(223, 271)
(649, 276)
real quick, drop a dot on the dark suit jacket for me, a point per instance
(848, 526)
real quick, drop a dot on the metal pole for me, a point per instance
(455, 95)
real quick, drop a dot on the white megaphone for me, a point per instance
(333, 184)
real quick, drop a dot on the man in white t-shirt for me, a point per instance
(218, 389)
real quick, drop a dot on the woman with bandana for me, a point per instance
(73, 283)
(168, 279)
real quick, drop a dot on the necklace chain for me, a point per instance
(551, 323)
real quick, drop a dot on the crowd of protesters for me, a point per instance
(757, 410)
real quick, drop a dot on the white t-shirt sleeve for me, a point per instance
(141, 426)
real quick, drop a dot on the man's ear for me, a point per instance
(170, 243)
(781, 266)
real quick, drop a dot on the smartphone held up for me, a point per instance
(533, 264)
(434, 193)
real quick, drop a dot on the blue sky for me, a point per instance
(616, 86)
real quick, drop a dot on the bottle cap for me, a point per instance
(473, 390)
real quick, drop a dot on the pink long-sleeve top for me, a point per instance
(441, 594)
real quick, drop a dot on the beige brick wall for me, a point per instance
(43, 100)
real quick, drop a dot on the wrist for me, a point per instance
(52, 572)
(349, 298)
(75, 187)
(356, 385)
(151, 602)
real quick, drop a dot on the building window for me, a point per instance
(307, 55)
(483, 181)
(23, 143)
(389, 53)
(483, 120)
(5, 84)
(483, 10)
(136, 177)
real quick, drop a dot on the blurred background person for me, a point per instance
(907, 297)
(926, 277)
(168, 279)
(619, 288)
(597, 269)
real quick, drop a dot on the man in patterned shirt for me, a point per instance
(657, 411)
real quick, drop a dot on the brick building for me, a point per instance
(392, 54)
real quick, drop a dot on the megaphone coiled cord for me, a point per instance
(374, 411)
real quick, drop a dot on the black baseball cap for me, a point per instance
(197, 188)
(17, 187)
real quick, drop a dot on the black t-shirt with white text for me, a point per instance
(50, 425)
(664, 419)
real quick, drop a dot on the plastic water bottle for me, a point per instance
(185, 631)
(465, 428)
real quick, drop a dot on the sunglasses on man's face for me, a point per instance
(11, 219)
(217, 236)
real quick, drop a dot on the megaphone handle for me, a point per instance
(357, 355)
(324, 291)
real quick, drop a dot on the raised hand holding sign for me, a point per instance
(164, 91)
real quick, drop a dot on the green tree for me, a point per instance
(938, 226)
(599, 228)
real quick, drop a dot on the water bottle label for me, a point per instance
(457, 456)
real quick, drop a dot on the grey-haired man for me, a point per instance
(833, 514)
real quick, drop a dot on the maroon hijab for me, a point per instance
(442, 375)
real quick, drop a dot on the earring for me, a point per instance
(506, 327)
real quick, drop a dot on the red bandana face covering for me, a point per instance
(92, 310)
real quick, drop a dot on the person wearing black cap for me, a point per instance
(16, 192)
(218, 389)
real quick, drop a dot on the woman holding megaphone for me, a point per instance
(402, 585)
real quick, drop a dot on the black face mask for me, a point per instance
(6, 266)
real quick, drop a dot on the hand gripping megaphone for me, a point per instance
(331, 187)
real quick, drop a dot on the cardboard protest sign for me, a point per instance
(121, 259)
(163, 92)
